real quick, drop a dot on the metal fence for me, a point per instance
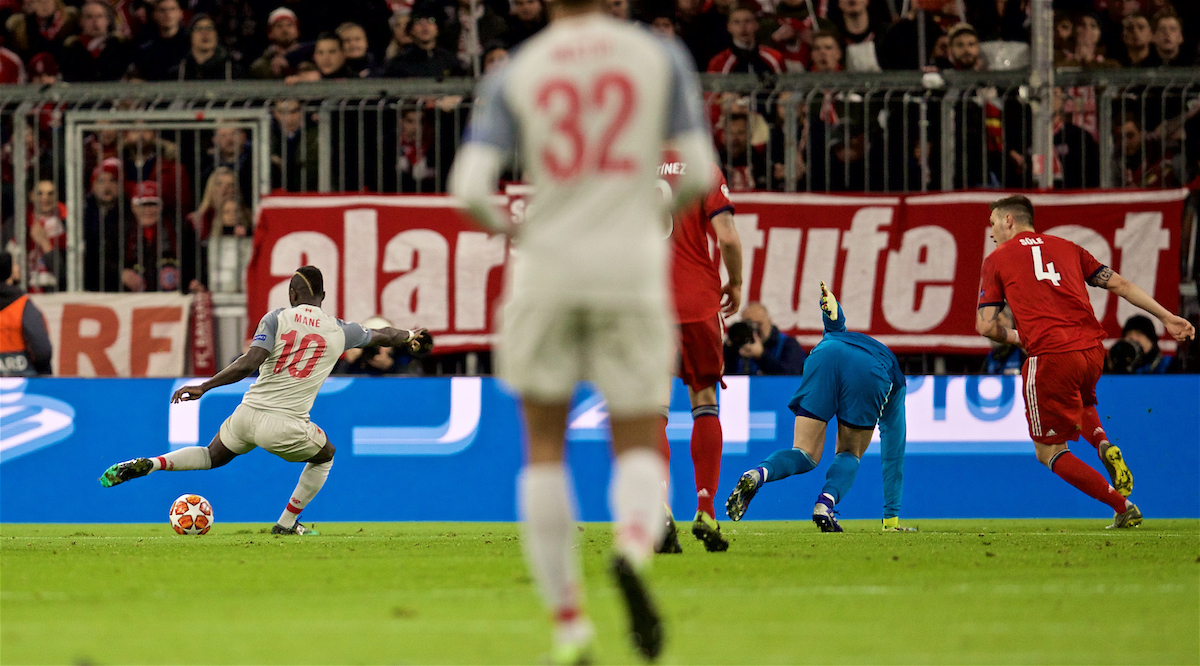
(76, 207)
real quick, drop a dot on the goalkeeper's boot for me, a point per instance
(1118, 471)
(893, 525)
(645, 626)
(743, 492)
(706, 529)
(1131, 518)
(297, 529)
(824, 515)
(573, 644)
(670, 540)
(124, 471)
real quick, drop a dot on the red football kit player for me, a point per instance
(702, 236)
(1044, 279)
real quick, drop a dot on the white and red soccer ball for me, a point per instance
(191, 514)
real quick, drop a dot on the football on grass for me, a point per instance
(191, 514)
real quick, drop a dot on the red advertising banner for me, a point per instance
(906, 268)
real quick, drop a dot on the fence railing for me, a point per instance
(76, 208)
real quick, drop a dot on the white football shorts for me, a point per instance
(290, 438)
(628, 352)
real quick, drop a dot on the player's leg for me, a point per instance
(1053, 408)
(893, 440)
(808, 440)
(1093, 431)
(852, 442)
(669, 544)
(707, 443)
(548, 526)
(632, 377)
(312, 479)
(814, 403)
(538, 353)
(185, 459)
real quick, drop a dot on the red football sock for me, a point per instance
(1093, 432)
(1077, 473)
(664, 446)
(706, 457)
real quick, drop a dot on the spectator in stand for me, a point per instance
(1141, 162)
(1168, 41)
(745, 55)
(41, 28)
(423, 58)
(768, 352)
(849, 168)
(701, 27)
(790, 33)
(662, 23)
(1064, 35)
(328, 61)
(359, 59)
(414, 153)
(95, 54)
(1088, 46)
(221, 186)
(206, 59)
(618, 9)
(472, 25)
(1114, 18)
(231, 149)
(400, 37)
(826, 51)
(743, 160)
(25, 348)
(294, 148)
(158, 256)
(525, 20)
(494, 55)
(898, 47)
(284, 33)
(43, 70)
(46, 239)
(1137, 39)
(229, 248)
(102, 229)
(1077, 156)
(859, 30)
(963, 53)
(149, 158)
(12, 70)
(167, 45)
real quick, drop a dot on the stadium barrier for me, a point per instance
(448, 449)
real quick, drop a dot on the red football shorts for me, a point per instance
(1057, 388)
(701, 353)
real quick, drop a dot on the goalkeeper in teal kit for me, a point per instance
(857, 379)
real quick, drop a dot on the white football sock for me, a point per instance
(635, 498)
(311, 480)
(187, 458)
(548, 536)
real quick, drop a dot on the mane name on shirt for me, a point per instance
(306, 321)
(596, 49)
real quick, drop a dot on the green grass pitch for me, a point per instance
(957, 592)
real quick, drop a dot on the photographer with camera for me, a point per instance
(749, 352)
(1137, 352)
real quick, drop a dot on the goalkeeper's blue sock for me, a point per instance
(841, 475)
(784, 463)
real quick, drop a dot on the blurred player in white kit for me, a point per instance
(294, 349)
(590, 103)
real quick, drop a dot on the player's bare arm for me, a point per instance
(417, 341)
(243, 367)
(1178, 327)
(987, 324)
(731, 255)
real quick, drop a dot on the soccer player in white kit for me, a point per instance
(590, 103)
(294, 349)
